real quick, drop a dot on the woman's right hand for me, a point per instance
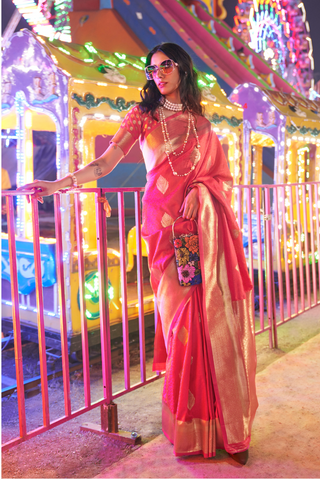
(40, 188)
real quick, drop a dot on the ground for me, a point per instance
(66, 452)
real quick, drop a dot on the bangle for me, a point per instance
(74, 180)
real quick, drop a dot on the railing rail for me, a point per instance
(281, 234)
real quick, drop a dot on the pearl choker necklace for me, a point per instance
(175, 107)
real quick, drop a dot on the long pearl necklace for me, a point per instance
(168, 144)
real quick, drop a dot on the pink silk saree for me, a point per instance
(205, 336)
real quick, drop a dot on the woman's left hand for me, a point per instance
(190, 205)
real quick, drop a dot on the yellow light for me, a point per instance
(29, 149)
(28, 119)
(29, 176)
(85, 229)
(123, 86)
(29, 230)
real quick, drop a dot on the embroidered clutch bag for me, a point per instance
(186, 250)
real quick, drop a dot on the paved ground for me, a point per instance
(286, 434)
(285, 440)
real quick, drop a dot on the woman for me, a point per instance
(205, 336)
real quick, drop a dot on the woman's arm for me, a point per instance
(96, 169)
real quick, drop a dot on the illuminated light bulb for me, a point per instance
(29, 149)
(29, 230)
(123, 86)
(216, 104)
(228, 106)
(115, 118)
(78, 81)
(28, 119)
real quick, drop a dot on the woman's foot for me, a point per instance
(240, 457)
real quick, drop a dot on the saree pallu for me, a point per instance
(205, 336)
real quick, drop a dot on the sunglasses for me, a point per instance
(166, 67)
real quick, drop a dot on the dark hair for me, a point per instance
(190, 94)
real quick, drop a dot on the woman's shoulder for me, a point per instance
(138, 112)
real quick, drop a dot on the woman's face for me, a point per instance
(167, 84)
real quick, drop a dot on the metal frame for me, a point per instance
(278, 218)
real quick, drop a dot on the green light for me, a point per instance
(110, 63)
(88, 60)
(211, 85)
(137, 66)
(201, 82)
(64, 50)
(121, 64)
(92, 295)
(143, 59)
(122, 56)
(90, 47)
(111, 292)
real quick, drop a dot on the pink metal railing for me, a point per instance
(291, 249)
(280, 218)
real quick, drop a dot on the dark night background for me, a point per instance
(312, 8)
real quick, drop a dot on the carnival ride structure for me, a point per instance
(281, 142)
(279, 31)
(213, 45)
(81, 94)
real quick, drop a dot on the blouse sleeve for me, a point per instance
(129, 131)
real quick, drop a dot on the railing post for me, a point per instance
(84, 329)
(63, 313)
(40, 313)
(140, 287)
(109, 410)
(269, 270)
(102, 247)
(16, 316)
(123, 272)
